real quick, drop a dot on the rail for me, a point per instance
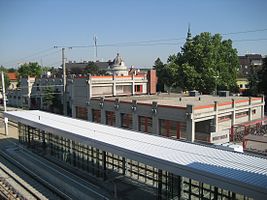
(35, 177)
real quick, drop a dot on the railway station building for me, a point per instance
(172, 169)
(203, 118)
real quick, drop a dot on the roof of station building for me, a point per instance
(179, 100)
(234, 171)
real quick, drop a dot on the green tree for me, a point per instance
(30, 69)
(57, 104)
(7, 81)
(263, 77)
(2, 68)
(205, 63)
(212, 63)
(159, 67)
(253, 79)
(165, 73)
(11, 70)
(48, 97)
(93, 69)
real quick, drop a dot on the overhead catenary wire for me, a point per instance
(144, 43)
(29, 56)
(160, 44)
(243, 32)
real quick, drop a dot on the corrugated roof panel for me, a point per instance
(231, 165)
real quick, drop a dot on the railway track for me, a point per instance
(60, 194)
(14, 187)
(17, 190)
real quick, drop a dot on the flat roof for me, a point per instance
(174, 99)
(233, 171)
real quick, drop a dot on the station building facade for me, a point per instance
(203, 118)
(33, 92)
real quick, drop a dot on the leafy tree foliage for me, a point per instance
(48, 97)
(52, 100)
(253, 79)
(159, 67)
(2, 68)
(165, 73)
(7, 81)
(11, 70)
(205, 63)
(263, 77)
(30, 69)
(93, 69)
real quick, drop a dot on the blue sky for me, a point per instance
(30, 28)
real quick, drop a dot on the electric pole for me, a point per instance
(4, 102)
(3, 90)
(95, 44)
(64, 83)
(64, 95)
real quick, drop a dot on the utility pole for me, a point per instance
(95, 43)
(64, 79)
(64, 83)
(4, 90)
(4, 102)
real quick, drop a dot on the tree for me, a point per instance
(159, 67)
(30, 69)
(93, 69)
(263, 77)
(48, 97)
(165, 73)
(253, 79)
(7, 81)
(205, 63)
(11, 70)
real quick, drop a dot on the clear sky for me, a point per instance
(30, 28)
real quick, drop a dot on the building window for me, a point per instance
(123, 89)
(145, 124)
(81, 113)
(110, 118)
(247, 86)
(138, 88)
(224, 118)
(96, 116)
(241, 85)
(241, 114)
(126, 120)
(170, 128)
(254, 111)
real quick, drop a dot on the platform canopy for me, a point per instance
(237, 172)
